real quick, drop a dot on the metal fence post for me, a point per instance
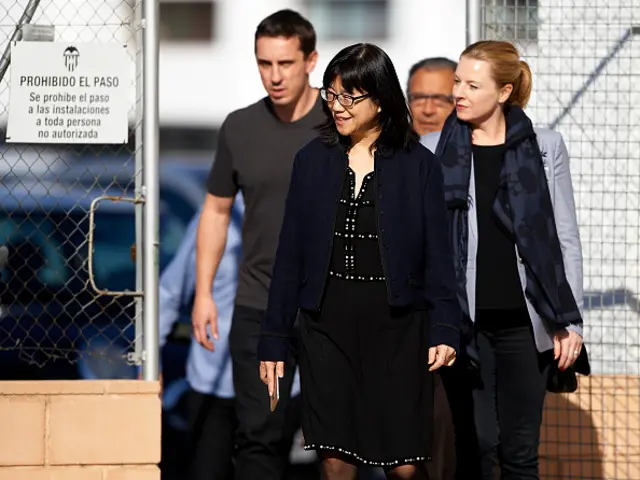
(150, 175)
(139, 116)
(474, 21)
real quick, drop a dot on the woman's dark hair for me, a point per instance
(368, 69)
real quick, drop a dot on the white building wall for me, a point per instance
(201, 84)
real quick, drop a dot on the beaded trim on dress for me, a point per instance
(366, 462)
(349, 233)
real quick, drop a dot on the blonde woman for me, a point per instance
(518, 262)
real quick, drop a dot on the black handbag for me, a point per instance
(566, 381)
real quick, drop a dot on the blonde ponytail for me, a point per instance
(506, 68)
(522, 87)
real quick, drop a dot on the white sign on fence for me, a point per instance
(62, 93)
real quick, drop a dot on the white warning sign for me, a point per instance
(62, 93)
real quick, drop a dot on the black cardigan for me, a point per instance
(413, 234)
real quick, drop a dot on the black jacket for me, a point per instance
(413, 234)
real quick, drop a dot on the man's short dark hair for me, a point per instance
(432, 64)
(288, 23)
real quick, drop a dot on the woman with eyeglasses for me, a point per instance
(364, 257)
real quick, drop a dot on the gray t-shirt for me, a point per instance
(255, 155)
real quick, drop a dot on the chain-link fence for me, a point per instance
(67, 249)
(585, 56)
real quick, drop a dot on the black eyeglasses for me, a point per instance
(347, 101)
(438, 98)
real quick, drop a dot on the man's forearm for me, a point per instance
(211, 240)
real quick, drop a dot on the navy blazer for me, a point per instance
(413, 237)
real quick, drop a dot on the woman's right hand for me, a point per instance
(268, 372)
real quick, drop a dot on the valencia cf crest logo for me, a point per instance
(71, 55)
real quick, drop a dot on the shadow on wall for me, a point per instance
(595, 432)
(570, 446)
(572, 443)
(610, 298)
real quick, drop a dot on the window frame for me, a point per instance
(320, 14)
(185, 35)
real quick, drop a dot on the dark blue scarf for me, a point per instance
(523, 206)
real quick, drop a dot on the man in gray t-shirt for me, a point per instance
(255, 155)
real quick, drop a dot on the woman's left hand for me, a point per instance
(566, 348)
(440, 356)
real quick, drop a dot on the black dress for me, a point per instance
(366, 388)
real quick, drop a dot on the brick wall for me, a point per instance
(80, 430)
(110, 430)
(593, 433)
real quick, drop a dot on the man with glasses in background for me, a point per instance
(430, 97)
(430, 93)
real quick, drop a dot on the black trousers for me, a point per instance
(212, 426)
(263, 438)
(497, 414)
